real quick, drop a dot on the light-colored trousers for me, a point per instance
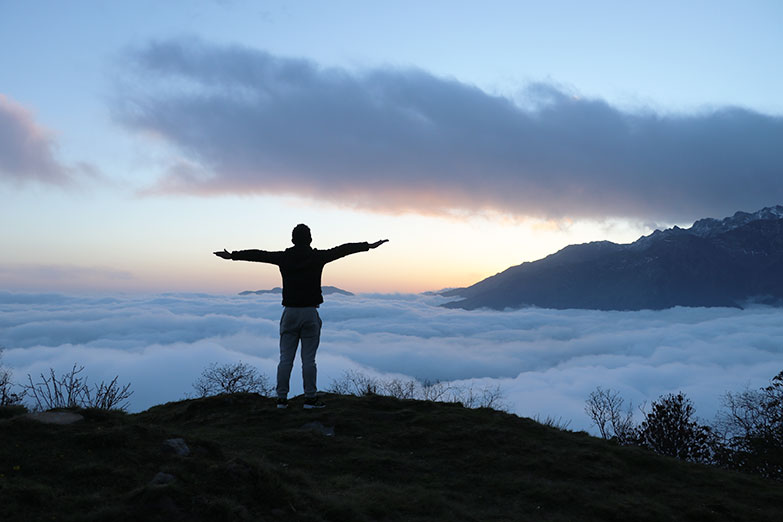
(298, 324)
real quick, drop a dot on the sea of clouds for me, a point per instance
(545, 361)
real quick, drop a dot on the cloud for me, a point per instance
(28, 151)
(397, 139)
(546, 361)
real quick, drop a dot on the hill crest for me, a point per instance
(386, 459)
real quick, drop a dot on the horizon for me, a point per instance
(218, 290)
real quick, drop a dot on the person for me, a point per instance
(301, 267)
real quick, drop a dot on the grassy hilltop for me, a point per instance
(360, 459)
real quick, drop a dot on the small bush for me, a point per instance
(671, 429)
(558, 423)
(605, 408)
(108, 396)
(72, 391)
(232, 378)
(433, 390)
(357, 383)
(471, 397)
(7, 397)
(400, 388)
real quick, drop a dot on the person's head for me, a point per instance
(301, 235)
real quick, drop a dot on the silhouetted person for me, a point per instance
(301, 267)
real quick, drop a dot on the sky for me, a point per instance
(138, 137)
(544, 362)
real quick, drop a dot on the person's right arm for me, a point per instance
(260, 256)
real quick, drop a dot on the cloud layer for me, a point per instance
(546, 361)
(397, 139)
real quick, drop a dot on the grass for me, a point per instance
(389, 459)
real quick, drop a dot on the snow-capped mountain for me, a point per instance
(709, 227)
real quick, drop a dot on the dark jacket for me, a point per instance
(301, 267)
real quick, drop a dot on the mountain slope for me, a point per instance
(714, 263)
(360, 459)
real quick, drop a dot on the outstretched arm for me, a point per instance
(261, 256)
(350, 248)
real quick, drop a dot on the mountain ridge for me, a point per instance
(728, 262)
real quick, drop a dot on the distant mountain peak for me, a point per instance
(710, 227)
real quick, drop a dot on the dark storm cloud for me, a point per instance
(405, 140)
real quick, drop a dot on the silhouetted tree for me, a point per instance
(671, 429)
(751, 425)
(605, 408)
(232, 378)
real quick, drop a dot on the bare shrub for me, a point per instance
(110, 396)
(605, 408)
(433, 390)
(557, 423)
(472, 397)
(601, 406)
(72, 391)
(232, 378)
(400, 388)
(355, 383)
(51, 392)
(7, 396)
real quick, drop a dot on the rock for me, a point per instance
(241, 470)
(161, 479)
(176, 446)
(317, 427)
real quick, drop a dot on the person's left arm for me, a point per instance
(350, 248)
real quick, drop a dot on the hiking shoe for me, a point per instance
(282, 403)
(310, 404)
